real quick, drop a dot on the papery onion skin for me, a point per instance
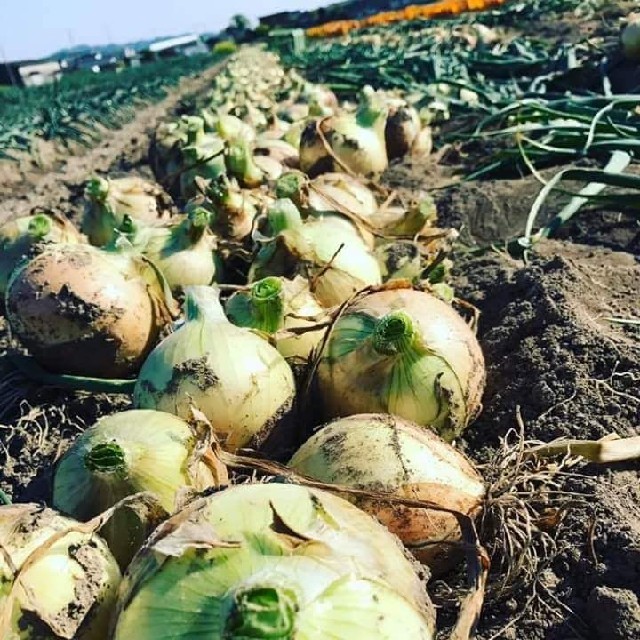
(67, 592)
(75, 300)
(235, 377)
(405, 352)
(406, 461)
(123, 454)
(263, 560)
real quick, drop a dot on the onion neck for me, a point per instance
(197, 224)
(242, 164)
(195, 132)
(394, 334)
(283, 215)
(98, 188)
(108, 457)
(372, 113)
(203, 303)
(39, 226)
(290, 185)
(264, 613)
(267, 304)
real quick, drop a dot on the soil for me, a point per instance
(559, 354)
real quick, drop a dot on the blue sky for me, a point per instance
(35, 28)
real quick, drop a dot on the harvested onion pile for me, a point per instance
(304, 292)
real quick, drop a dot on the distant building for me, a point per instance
(188, 45)
(29, 73)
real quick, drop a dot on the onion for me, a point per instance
(277, 306)
(232, 129)
(356, 141)
(186, 253)
(241, 164)
(402, 130)
(294, 135)
(279, 150)
(87, 312)
(327, 252)
(124, 454)
(293, 113)
(273, 561)
(203, 159)
(164, 152)
(631, 38)
(109, 200)
(53, 589)
(22, 237)
(320, 95)
(406, 461)
(423, 144)
(236, 378)
(232, 209)
(270, 168)
(405, 352)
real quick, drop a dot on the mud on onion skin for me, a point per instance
(402, 351)
(23, 237)
(406, 461)
(87, 312)
(234, 376)
(66, 587)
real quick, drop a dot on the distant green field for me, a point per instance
(68, 110)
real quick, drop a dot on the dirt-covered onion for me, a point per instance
(405, 461)
(66, 580)
(124, 454)
(273, 561)
(88, 312)
(109, 200)
(328, 252)
(405, 352)
(235, 377)
(279, 307)
(21, 237)
(346, 141)
(402, 129)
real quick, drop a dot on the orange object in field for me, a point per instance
(413, 12)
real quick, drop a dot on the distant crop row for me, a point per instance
(70, 109)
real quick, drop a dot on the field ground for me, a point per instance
(555, 355)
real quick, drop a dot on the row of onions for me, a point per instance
(276, 304)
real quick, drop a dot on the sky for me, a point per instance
(37, 28)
